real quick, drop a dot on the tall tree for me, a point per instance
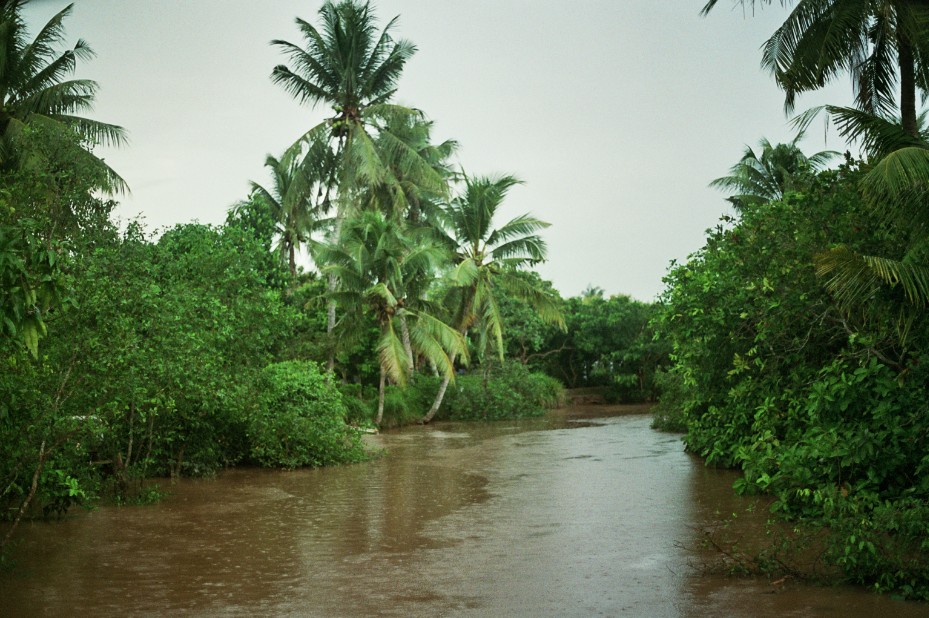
(487, 257)
(381, 265)
(34, 89)
(292, 199)
(348, 66)
(48, 174)
(765, 177)
(422, 201)
(880, 42)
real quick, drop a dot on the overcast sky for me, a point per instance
(615, 113)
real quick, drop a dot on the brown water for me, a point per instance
(562, 516)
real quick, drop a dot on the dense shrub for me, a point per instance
(824, 406)
(408, 404)
(608, 343)
(359, 411)
(298, 419)
(510, 391)
(668, 412)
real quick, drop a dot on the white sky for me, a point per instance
(616, 113)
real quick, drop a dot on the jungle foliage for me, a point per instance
(798, 332)
(130, 355)
(609, 343)
(821, 405)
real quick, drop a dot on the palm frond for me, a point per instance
(899, 180)
(545, 301)
(520, 226)
(877, 135)
(437, 342)
(33, 88)
(363, 165)
(492, 323)
(299, 87)
(814, 44)
(876, 78)
(779, 168)
(381, 292)
(854, 278)
(465, 273)
(527, 251)
(391, 354)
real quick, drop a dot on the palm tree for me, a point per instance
(487, 257)
(42, 129)
(297, 183)
(758, 179)
(34, 91)
(381, 264)
(896, 189)
(347, 65)
(874, 40)
(421, 202)
(878, 42)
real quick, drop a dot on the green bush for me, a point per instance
(299, 419)
(408, 404)
(822, 405)
(510, 391)
(359, 411)
(546, 390)
(668, 412)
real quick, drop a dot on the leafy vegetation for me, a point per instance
(128, 355)
(798, 332)
(608, 343)
(298, 419)
(792, 345)
(822, 406)
(508, 391)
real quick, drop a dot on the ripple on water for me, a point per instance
(543, 517)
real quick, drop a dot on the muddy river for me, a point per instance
(587, 512)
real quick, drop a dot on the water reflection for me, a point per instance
(570, 515)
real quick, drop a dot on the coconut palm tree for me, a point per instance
(34, 90)
(381, 264)
(896, 188)
(421, 202)
(878, 41)
(348, 66)
(487, 257)
(765, 177)
(293, 200)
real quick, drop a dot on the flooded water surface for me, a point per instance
(587, 512)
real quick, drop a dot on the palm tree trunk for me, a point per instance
(444, 386)
(438, 399)
(330, 309)
(907, 85)
(441, 394)
(380, 397)
(330, 323)
(292, 261)
(407, 345)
